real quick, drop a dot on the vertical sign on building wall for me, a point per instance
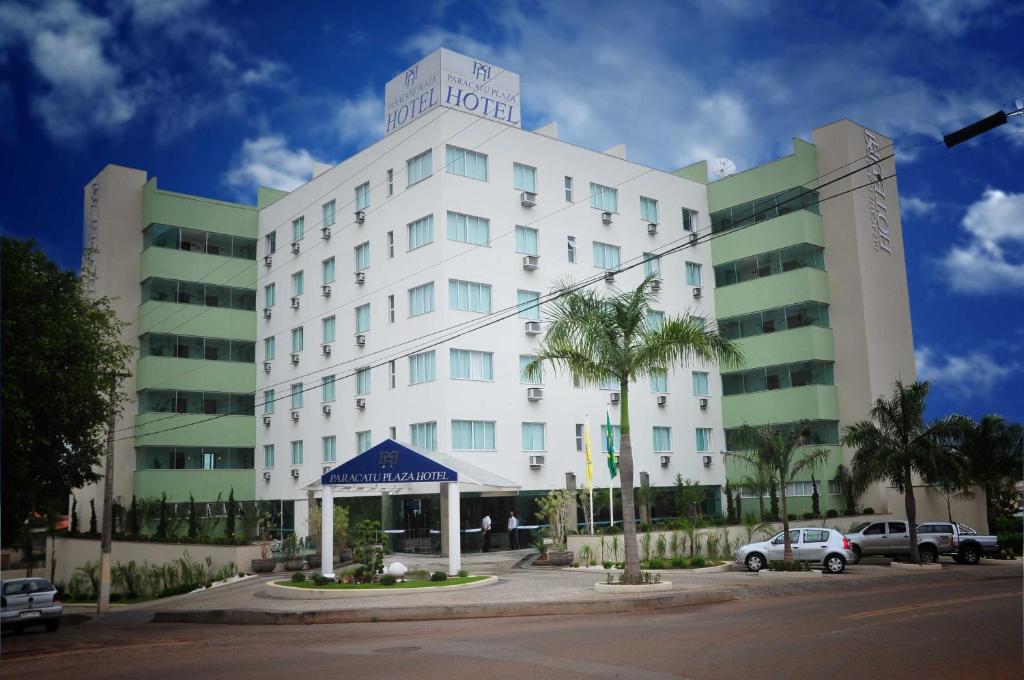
(877, 206)
(446, 78)
(91, 232)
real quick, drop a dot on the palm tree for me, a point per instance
(779, 455)
(759, 485)
(993, 449)
(895, 445)
(606, 337)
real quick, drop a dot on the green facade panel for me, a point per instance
(169, 373)
(788, 288)
(181, 265)
(816, 402)
(182, 210)
(786, 347)
(194, 430)
(801, 226)
(203, 485)
(798, 169)
(207, 322)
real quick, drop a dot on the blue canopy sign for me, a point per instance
(389, 463)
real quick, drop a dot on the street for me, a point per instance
(939, 629)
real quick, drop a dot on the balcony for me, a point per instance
(195, 374)
(194, 429)
(801, 226)
(770, 292)
(202, 484)
(816, 402)
(166, 263)
(211, 322)
(787, 347)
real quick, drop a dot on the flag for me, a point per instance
(586, 450)
(613, 469)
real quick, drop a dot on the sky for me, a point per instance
(215, 98)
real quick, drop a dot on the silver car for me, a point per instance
(817, 545)
(29, 602)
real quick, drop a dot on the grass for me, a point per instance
(452, 581)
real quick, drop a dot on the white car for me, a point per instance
(818, 545)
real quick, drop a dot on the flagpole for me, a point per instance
(590, 478)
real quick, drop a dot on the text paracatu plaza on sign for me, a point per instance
(388, 477)
(460, 98)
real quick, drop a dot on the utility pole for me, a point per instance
(984, 125)
(103, 597)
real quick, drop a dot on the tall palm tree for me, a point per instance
(896, 444)
(758, 483)
(600, 338)
(780, 455)
(993, 449)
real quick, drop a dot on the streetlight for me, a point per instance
(984, 125)
(103, 597)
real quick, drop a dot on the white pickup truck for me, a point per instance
(958, 540)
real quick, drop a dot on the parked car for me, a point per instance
(29, 602)
(891, 538)
(818, 545)
(959, 540)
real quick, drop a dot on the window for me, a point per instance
(421, 299)
(468, 296)
(533, 437)
(571, 245)
(363, 318)
(329, 214)
(297, 452)
(268, 402)
(194, 458)
(662, 440)
(659, 381)
(391, 374)
(298, 229)
(703, 439)
(327, 391)
(466, 163)
(424, 435)
(363, 196)
(648, 210)
(421, 232)
(608, 383)
(794, 489)
(816, 535)
(690, 221)
(468, 229)
(772, 320)
(328, 270)
(579, 437)
(652, 265)
(269, 348)
(391, 309)
(362, 381)
(604, 198)
(778, 377)
(835, 488)
(473, 435)
(524, 377)
(605, 256)
(524, 177)
(693, 277)
(526, 240)
(269, 295)
(419, 167)
(210, 243)
(297, 395)
(750, 212)
(529, 304)
(393, 432)
(212, 403)
(364, 441)
(297, 340)
(616, 435)
(700, 384)
(327, 327)
(391, 182)
(330, 448)
(876, 529)
(391, 244)
(421, 367)
(816, 433)
(270, 241)
(655, 320)
(268, 456)
(362, 255)
(298, 283)
(897, 527)
(770, 264)
(471, 365)
(568, 189)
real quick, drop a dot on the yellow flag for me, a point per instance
(586, 449)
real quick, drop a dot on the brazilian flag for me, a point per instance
(613, 468)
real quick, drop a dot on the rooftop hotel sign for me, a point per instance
(446, 78)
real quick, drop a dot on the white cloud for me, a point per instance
(947, 18)
(975, 373)
(268, 162)
(992, 260)
(156, 12)
(360, 118)
(912, 206)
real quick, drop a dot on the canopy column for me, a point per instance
(450, 492)
(327, 531)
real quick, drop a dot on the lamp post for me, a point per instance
(103, 597)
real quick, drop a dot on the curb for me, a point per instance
(254, 617)
(916, 567)
(279, 592)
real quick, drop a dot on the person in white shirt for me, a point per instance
(513, 530)
(485, 527)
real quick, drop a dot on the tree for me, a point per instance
(193, 520)
(92, 517)
(780, 455)
(730, 509)
(229, 531)
(61, 356)
(815, 498)
(162, 522)
(133, 518)
(74, 517)
(599, 338)
(844, 477)
(774, 497)
(758, 485)
(993, 449)
(895, 445)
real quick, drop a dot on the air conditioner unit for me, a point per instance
(360, 277)
(531, 261)
(532, 327)
(665, 460)
(325, 233)
(528, 199)
(295, 358)
(326, 349)
(703, 401)
(360, 340)
(534, 393)
(295, 415)
(295, 247)
(266, 420)
(652, 228)
(360, 216)
(662, 400)
(326, 409)
(693, 238)
(267, 260)
(266, 476)
(536, 462)
(267, 312)
(655, 284)
(295, 302)
(696, 291)
(325, 290)
(360, 403)
(295, 473)
(707, 461)
(606, 217)
(615, 397)
(266, 367)
(609, 276)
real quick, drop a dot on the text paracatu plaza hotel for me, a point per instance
(395, 295)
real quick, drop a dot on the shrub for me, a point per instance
(655, 563)
(807, 515)
(321, 580)
(849, 512)
(417, 575)
(780, 565)
(607, 564)
(791, 517)
(439, 576)
(698, 562)
(298, 577)
(388, 580)
(179, 589)
(575, 564)
(869, 511)
(831, 513)
(1014, 540)
(463, 573)
(678, 563)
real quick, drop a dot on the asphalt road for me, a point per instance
(968, 628)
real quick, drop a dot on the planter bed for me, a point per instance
(307, 590)
(768, 573)
(633, 589)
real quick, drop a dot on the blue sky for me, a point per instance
(215, 98)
